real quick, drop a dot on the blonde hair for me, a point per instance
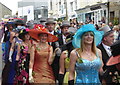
(116, 27)
(80, 50)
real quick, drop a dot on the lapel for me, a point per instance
(60, 38)
(105, 56)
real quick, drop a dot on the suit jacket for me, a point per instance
(55, 64)
(53, 44)
(60, 39)
(61, 43)
(105, 58)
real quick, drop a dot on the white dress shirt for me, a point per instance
(107, 48)
(64, 39)
(52, 34)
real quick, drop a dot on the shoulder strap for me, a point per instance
(97, 54)
(49, 46)
(77, 53)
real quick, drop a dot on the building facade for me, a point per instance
(33, 9)
(85, 10)
(99, 10)
(4, 11)
(93, 10)
(62, 9)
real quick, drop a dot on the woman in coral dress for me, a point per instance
(41, 57)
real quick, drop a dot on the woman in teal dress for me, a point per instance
(86, 58)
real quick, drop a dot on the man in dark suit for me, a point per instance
(50, 25)
(65, 34)
(107, 41)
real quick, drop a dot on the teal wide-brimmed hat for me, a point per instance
(86, 28)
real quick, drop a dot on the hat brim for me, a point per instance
(64, 26)
(34, 34)
(78, 35)
(113, 60)
(22, 34)
(50, 22)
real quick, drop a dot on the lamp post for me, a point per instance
(108, 6)
(66, 10)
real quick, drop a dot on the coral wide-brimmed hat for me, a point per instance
(42, 30)
(86, 28)
(115, 59)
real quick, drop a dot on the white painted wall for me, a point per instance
(26, 11)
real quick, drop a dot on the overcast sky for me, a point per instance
(11, 4)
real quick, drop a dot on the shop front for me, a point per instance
(96, 13)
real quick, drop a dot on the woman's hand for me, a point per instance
(31, 80)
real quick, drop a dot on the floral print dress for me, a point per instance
(21, 77)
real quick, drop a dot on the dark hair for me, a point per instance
(97, 27)
(69, 48)
(22, 35)
(10, 24)
(115, 47)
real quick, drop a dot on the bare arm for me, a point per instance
(32, 52)
(12, 34)
(11, 50)
(73, 59)
(51, 57)
(13, 44)
(18, 52)
(62, 64)
(100, 55)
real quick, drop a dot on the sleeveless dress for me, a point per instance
(67, 61)
(66, 76)
(87, 72)
(12, 71)
(21, 76)
(42, 71)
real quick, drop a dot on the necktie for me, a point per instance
(109, 52)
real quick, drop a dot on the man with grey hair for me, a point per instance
(107, 41)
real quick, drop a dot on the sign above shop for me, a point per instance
(95, 7)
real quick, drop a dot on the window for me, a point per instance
(50, 4)
(71, 5)
(59, 6)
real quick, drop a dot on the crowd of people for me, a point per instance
(61, 53)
